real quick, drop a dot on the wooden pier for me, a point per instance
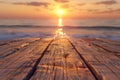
(59, 59)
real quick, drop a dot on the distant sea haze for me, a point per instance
(66, 22)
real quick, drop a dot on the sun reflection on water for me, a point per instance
(60, 22)
(59, 32)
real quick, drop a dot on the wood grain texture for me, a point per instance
(105, 65)
(19, 64)
(62, 62)
(13, 46)
(59, 59)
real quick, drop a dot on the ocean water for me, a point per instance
(66, 22)
(11, 29)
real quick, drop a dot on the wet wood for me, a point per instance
(59, 59)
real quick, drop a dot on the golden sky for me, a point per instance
(78, 9)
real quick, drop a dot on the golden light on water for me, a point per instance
(60, 22)
(59, 32)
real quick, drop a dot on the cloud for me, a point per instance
(110, 11)
(61, 1)
(93, 10)
(110, 2)
(81, 4)
(2, 2)
(113, 11)
(45, 4)
(65, 6)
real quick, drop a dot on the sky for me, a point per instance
(73, 9)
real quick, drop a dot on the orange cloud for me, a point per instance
(107, 2)
(111, 11)
(61, 1)
(45, 4)
(48, 9)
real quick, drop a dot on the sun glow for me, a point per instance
(59, 32)
(60, 12)
(60, 22)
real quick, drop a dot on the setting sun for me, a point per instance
(60, 12)
(59, 39)
(59, 32)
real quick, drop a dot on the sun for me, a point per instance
(60, 12)
(59, 32)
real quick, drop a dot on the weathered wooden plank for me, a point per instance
(107, 55)
(108, 47)
(110, 60)
(15, 45)
(113, 47)
(18, 65)
(6, 42)
(62, 62)
(113, 42)
(101, 63)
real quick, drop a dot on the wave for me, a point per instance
(84, 27)
(25, 31)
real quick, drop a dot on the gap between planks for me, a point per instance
(32, 71)
(87, 64)
(51, 65)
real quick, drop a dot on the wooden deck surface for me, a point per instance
(60, 59)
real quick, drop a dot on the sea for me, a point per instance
(44, 28)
